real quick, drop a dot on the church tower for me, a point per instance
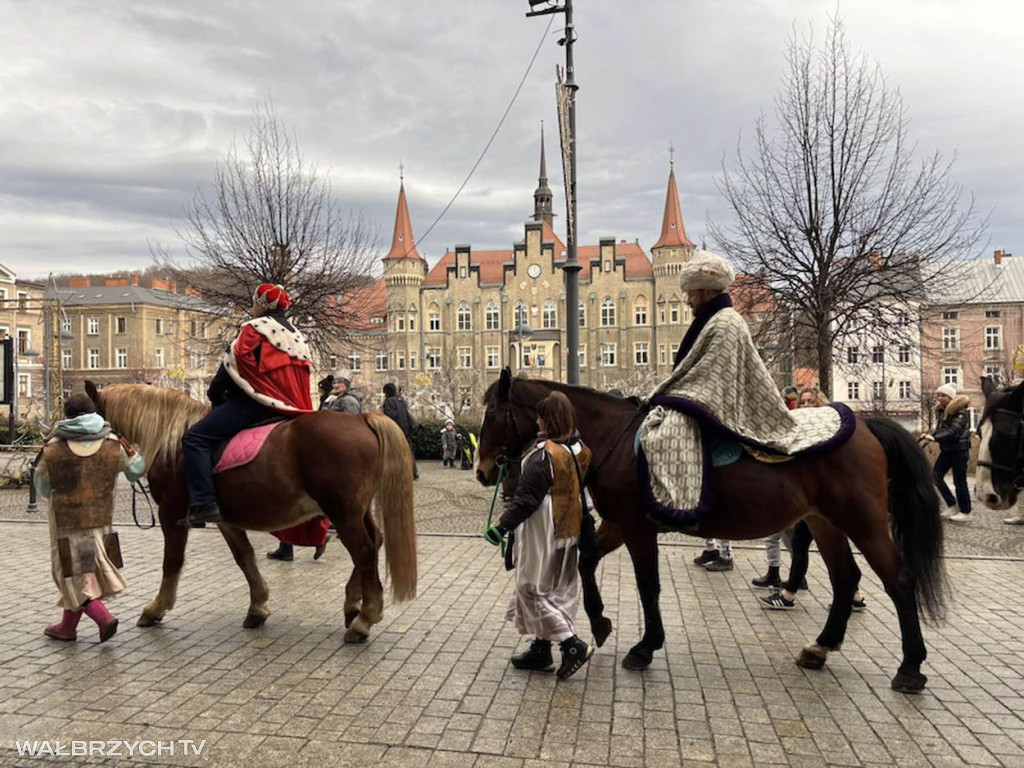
(668, 256)
(404, 271)
(542, 195)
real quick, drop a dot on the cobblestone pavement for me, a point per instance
(433, 686)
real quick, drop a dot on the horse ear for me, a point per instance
(505, 383)
(987, 385)
(92, 392)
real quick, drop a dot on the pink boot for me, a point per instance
(65, 628)
(105, 620)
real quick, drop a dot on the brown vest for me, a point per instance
(82, 494)
(566, 510)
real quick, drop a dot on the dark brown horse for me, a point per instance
(850, 491)
(1000, 475)
(321, 463)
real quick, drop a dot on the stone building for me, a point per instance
(976, 329)
(21, 318)
(444, 332)
(122, 331)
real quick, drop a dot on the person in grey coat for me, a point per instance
(343, 399)
(449, 444)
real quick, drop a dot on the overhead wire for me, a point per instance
(490, 141)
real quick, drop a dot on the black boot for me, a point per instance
(770, 579)
(575, 653)
(319, 551)
(198, 516)
(537, 657)
(283, 552)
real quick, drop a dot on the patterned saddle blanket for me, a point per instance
(243, 447)
(675, 458)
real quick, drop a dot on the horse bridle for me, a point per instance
(1018, 469)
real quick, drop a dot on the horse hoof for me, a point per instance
(638, 658)
(148, 620)
(601, 629)
(905, 682)
(352, 637)
(350, 616)
(254, 620)
(811, 658)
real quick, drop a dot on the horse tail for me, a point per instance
(395, 502)
(914, 512)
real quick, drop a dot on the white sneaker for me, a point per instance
(951, 512)
(959, 517)
(1015, 520)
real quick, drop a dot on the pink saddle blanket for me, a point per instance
(245, 446)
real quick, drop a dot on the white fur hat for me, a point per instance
(706, 271)
(948, 390)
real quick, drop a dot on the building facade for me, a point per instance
(979, 332)
(21, 319)
(443, 333)
(123, 332)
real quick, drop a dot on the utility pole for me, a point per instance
(572, 265)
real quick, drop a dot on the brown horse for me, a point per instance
(321, 463)
(849, 491)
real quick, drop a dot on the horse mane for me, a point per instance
(568, 389)
(153, 418)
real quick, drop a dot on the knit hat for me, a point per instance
(270, 296)
(343, 376)
(948, 390)
(706, 271)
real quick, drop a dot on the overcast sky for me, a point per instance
(113, 112)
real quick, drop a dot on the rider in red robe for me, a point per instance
(264, 373)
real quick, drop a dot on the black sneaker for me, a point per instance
(776, 602)
(706, 557)
(770, 579)
(537, 657)
(199, 516)
(575, 653)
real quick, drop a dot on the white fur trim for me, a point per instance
(290, 342)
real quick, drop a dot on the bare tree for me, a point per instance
(269, 216)
(457, 385)
(833, 211)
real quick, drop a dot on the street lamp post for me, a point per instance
(572, 265)
(522, 330)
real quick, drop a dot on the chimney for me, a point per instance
(172, 287)
(135, 279)
(876, 259)
(113, 282)
(79, 282)
(191, 290)
(159, 285)
(1001, 256)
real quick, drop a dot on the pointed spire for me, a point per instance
(403, 244)
(542, 195)
(673, 233)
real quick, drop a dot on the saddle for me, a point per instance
(244, 447)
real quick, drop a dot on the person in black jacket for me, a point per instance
(954, 438)
(395, 408)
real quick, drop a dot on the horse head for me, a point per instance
(96, 395)
(509, 424)
(1000, 474)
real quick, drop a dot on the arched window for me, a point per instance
(520, 314)
(549, 318)
(465, 317)
(493, 317)
(640, 311)
(607, 312)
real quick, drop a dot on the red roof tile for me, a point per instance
(673, 233)
(403, 244)
(363, 304)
